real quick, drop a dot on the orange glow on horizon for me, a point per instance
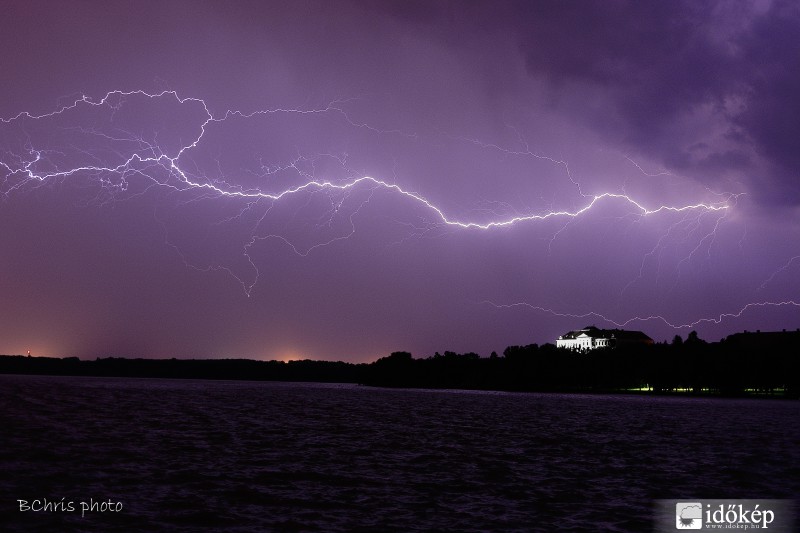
(289, 355)
(32, 350)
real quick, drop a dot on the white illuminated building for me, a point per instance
(592, 338)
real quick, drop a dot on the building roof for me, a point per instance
(764, 338)
(596, 333)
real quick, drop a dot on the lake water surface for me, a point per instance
(254, 456)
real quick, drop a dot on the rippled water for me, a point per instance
(249, 456)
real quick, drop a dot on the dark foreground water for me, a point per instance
(246, 456)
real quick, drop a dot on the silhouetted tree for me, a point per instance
(692, 338)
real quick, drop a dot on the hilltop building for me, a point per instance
(591, 338)
(763, 341)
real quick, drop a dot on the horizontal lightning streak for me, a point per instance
(171, 163)
(709, 320)
(150, 157)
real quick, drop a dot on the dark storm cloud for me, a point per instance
(662, 62)
(707, 88)
(772, 116)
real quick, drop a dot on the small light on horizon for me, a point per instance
(288, 356)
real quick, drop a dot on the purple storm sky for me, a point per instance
(339, 180)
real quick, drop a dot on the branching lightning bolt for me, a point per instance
(778, 271)
(624, 323)
(171, 163)
(150, 156)
(159, 167)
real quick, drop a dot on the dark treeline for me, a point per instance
(745, 363)
(236, 369)
(760, 363)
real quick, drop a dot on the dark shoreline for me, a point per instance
(522, 369)
(743, 365)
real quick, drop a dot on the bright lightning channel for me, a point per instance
(152, 156)
(171, 163)
(674, 325)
